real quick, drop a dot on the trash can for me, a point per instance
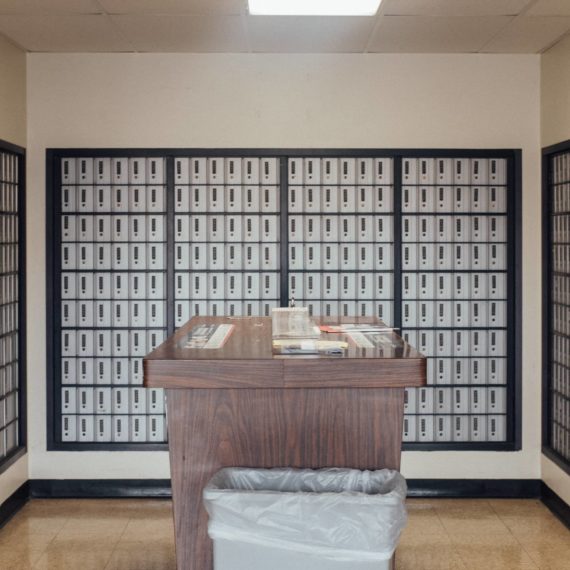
(284, 519)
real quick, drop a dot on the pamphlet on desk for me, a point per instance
(294, 332)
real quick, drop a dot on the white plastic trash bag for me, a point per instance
(335, 514)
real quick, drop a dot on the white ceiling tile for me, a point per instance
(313, 34)
(63, 33)
(183, 32)
(529, 35)
(47, 6)
(432, 34)
(453, 7)
(219, 7)
(550, 8)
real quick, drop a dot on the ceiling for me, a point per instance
(401, 26)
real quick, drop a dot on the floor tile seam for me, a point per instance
(519, 541)
(450, 540)
(546, 566)
(50, 542)
(117, 544)
(535, 564)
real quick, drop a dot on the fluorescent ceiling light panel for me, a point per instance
(314, 7)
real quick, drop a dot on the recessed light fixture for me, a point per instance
(314, 7)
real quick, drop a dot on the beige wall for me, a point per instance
(12, 93)
(555, 112)
(13, 130)
(388, 101)
(555, 93)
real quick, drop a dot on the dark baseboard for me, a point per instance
(160, 488)
(14, 503)
(100, 488)
(557, 505)
(475, 488)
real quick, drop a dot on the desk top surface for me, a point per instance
(246, 360)
(250, 339)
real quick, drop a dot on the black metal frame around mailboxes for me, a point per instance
(550, 423)
(514, 293)
(18, 182)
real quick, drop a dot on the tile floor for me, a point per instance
(442, 534)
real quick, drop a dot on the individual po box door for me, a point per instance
(410, 428)
(426, 428)
(98, 371)
(182, 199)
(365, 199)
(312, 199)
(347, 197)
(312, 231)
(156, 199)
(182, 312)
(383, 230)
(330, 257)
(216, 198)
(68, 256)
(68, 171)
(120, 199)
(443, 397)
(85, 199)
(329, 171)
(496, 428)
(409, 199)
(198, 170)
(156, 432)
(426, 228)
(215, 170)
(120, 431)
(426, 171)
(497, 199)
(479, 229)
(330, 200)
(383, 285)
(233, 286)
(120, 170)
(347, 171)
(443, 372)
(69, 428)
(103, 431)
(296, 286)
(425, 402)
(444, 199)
(409, 286)
(426, 314)
(199, 199)
(251, 199)
(460, 428)
(366, 260)
(69, 400)
(444, 171)
(426, 199)
(86, 429)
(269, 286)
(410, 401)
(410, 171)
(443, 428)
(233, 173)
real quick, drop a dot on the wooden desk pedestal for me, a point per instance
(265, 411)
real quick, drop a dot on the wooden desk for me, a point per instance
(241, 406)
